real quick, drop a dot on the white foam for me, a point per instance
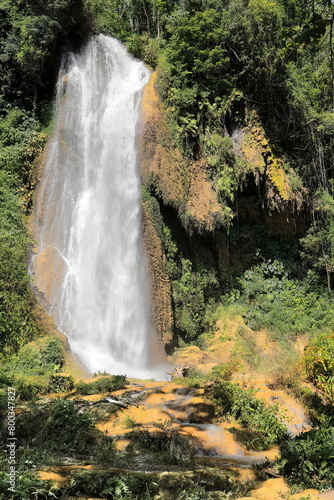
(91, 211)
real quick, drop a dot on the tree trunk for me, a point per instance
(147, 18)
(332, 59)
(328, 272)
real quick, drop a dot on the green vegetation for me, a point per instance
(219, 373)
(17, 321)
(27, 486)
(60, 425)
(246, 88)
(192, 272)
(262, 428)
(189, 293)
(284, 306)
(129, 422)
(102, 385)
(130, 485)
(319, 364)
(33, 35)
(307, 460)
(33, 369)
(319, 241)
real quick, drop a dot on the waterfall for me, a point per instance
(91, 264)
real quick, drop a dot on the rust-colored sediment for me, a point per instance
(60, 475)
(48, 265)
(202, 205)
(48, 273)
(184, 185)
(160, 409)
(272, 489)
(159, 160)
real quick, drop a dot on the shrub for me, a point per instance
(129, 423)
(27, 486)
(224, 371)
(102, 385)
(66, 430)
(285, 307)
(59, 425)
(264, 428)
(17, 321)
(105, 453)
(155, 442)
(28, 389)
(189, 294)
(308, 459)
(113, 485)
(32, 369)
(60, 383)
(194, 379)
(30, 423)
(52, 355)
(145, 48)
(319, 364)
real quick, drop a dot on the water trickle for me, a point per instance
(89, 212)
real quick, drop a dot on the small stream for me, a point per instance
(210, 441)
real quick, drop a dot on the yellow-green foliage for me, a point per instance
(253, 148)
(319, 364)
(261, 160)
(30, 152)
(224, 371)
(102, 385)
(33, 369)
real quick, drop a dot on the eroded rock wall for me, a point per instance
(161, 309)
(181, 183)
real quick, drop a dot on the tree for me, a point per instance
(319, 241)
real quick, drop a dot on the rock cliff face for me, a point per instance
(161, 308)
(181, 183)
(47, 265)
(154, 160)
(266, 200)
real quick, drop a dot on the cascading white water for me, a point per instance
(89, 212)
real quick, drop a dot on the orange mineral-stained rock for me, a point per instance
(272, 489)
(194, 357)
(183, 185)
(121, 444)
(56, 479)
(49, 269)
(61, 474)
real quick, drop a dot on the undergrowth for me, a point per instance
(262, 425)
(34, 369)
(307, 460)
(102, 385)
(285, 307)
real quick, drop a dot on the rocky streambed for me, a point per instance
(169, 436)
